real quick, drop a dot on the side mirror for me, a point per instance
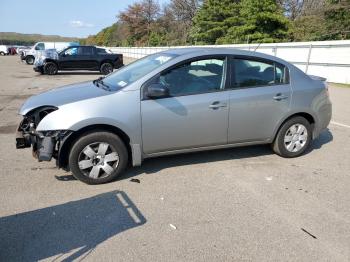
(157, 91)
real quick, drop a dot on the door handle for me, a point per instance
(217, 104)
(279, 97)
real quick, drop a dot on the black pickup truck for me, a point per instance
(77, 58)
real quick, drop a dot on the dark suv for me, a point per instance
(77, 58)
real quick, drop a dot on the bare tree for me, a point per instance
(293, 9)
(185, 10)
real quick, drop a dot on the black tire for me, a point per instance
(115, 144)
(50, 68)
(280, 146)
(30, 60)
(2, 53)
(106, 68)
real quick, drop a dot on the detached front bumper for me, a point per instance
(45, 145)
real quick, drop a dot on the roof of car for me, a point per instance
(220, 50)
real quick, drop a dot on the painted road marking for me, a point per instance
(340, 124)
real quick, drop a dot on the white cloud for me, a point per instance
(79, 24)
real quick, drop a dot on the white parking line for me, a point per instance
(340, 124)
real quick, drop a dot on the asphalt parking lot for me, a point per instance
(227, 205)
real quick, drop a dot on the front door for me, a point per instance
(196, 112)
(69, 58)
(259, 99)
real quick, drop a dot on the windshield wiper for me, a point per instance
(100, 81)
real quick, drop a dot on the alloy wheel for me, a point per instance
(295, 138)
(98, 160)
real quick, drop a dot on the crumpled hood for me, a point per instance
(63, 95)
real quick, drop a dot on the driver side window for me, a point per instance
(40, 46)
(195, 77)
(71, 51)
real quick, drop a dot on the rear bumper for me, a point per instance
(324, 118)
(118, 64)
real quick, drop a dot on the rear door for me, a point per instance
(259, 98)
(86, 57)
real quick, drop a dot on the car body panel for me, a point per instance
(63, 95)
(254, 113)
(184, 122)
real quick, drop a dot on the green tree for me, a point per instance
(213, 20)
(337, 19)
(261, 21)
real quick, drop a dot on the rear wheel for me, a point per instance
(50, 68)
(293, 138)
(2, 53)
(106, 68)
(30, 60)
(98, 158)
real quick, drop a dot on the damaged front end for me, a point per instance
(45, 144)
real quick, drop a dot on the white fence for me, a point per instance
(329, 59)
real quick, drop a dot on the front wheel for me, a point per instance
(50, 68)
(106, 68)
(2, 53)
(98, 158)
(30, 60)
(293, 138)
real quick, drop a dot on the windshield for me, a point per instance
(134, 71)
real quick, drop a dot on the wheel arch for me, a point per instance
(48, 60)
(65, 147)
(106, 61)
(308, 116)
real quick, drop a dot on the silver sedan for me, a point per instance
(177, 101)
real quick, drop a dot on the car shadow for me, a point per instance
(154, 165)
(70, 230)
(324, 138)
(79, 73)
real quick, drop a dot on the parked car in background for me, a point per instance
(77, 58)
(3, 50)
(20, 49)
(12, 51)
(176, 101)
(29, 56)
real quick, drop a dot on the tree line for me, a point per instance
(185, 22)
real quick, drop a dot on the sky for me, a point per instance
(75, 18)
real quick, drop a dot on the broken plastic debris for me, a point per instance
(135, 180)
(268, 178)
(172, 226)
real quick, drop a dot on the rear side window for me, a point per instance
(251, 73)
(85, 50)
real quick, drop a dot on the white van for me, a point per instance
(29, 56)
(3, 50)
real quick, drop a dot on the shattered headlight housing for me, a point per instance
(32, 119)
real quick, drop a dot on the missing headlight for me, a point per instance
(33, 118)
